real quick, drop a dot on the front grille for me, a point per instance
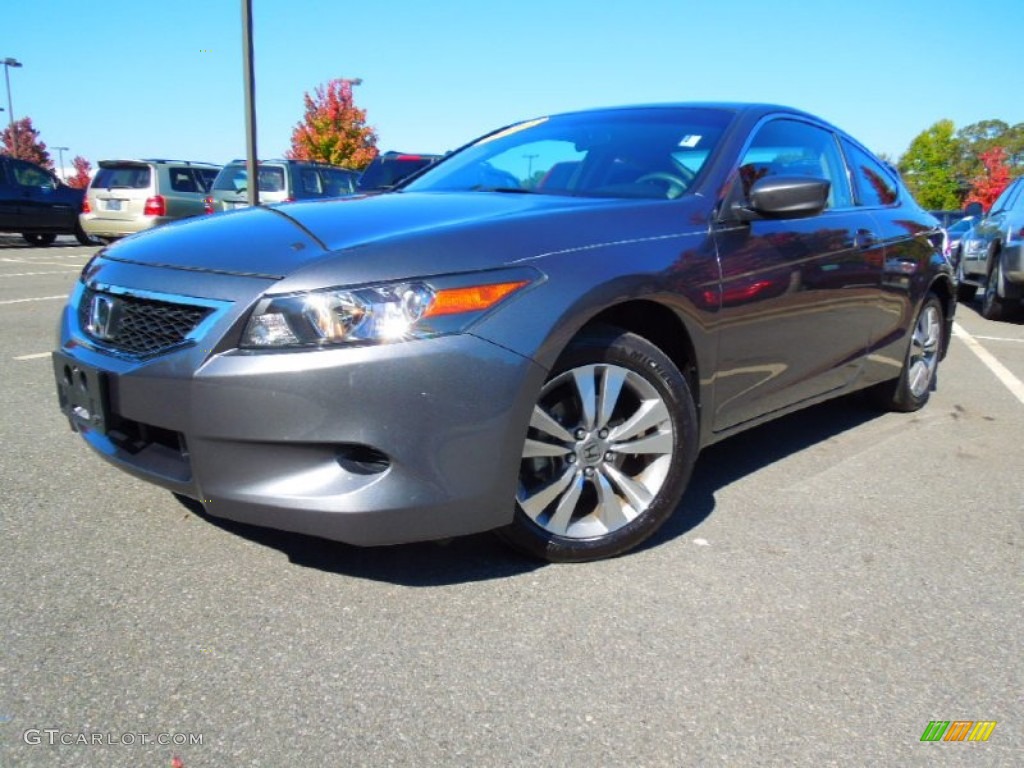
(139, 326)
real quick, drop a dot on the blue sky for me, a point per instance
(124, 78)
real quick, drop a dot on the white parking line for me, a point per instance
(37, 298)
(33, 274)
(1000, 338)
(35, 356)
(1002, 373)
(36, 263)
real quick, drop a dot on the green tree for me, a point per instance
(929, 167)
(334, 129)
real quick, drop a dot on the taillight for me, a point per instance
(155, 206)
(86, 208)
(208, 204)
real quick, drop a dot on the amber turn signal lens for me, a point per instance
(453, 301)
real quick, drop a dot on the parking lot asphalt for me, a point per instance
(833, 582)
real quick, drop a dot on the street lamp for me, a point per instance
(8, 63)
(60, 155)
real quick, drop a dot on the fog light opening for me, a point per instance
(361, 459)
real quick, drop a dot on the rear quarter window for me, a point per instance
(205, 177)
(182, 180)
(874, 185)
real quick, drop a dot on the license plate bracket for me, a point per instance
(83, 392)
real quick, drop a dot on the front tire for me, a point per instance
(39, 239)
(911, 390)
(609, 451)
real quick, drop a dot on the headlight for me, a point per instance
(378, 313)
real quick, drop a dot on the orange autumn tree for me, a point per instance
(24, 143)
(334, 129)
(993, 179)
(82, 175)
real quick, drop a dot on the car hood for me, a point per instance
(396, 235)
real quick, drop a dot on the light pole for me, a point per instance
(60, 155)
(8, 63)
(249, 84)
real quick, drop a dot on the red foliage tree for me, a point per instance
(25, 143)
(334, 129)
(82, 173)
(994, 178)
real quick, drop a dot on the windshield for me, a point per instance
(652, 152)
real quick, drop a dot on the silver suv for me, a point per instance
(993, 257)
(128, 196)
(280, 181)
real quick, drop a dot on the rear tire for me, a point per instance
(39, 239)
(911, 390)
(993, 306)
(82, 237)
(609, 452)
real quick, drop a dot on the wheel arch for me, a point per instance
(995, 250)
(942, 287)
(661, 326)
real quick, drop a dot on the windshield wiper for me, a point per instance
(508, 190)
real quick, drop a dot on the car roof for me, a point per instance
(750, 108)
(160, 161)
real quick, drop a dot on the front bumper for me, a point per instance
(370, 445)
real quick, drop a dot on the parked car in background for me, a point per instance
(457, 357)
(948, 218)
(36, 204)
(280, 181)
(993, 256)
(389, 168)
(955, 235)
(129, 196)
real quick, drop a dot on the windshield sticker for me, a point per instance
(690, 141)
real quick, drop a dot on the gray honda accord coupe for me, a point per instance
(535, 336)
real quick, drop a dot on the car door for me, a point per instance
(910, 243)
(798, 295)
(9, 195)
(41, 202)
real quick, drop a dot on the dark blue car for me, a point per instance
(36, 204)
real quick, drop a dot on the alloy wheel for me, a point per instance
(599, 449)
(924, 350)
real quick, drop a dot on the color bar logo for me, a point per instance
(958, 730)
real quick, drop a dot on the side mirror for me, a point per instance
(785, 197)
(974, 209)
